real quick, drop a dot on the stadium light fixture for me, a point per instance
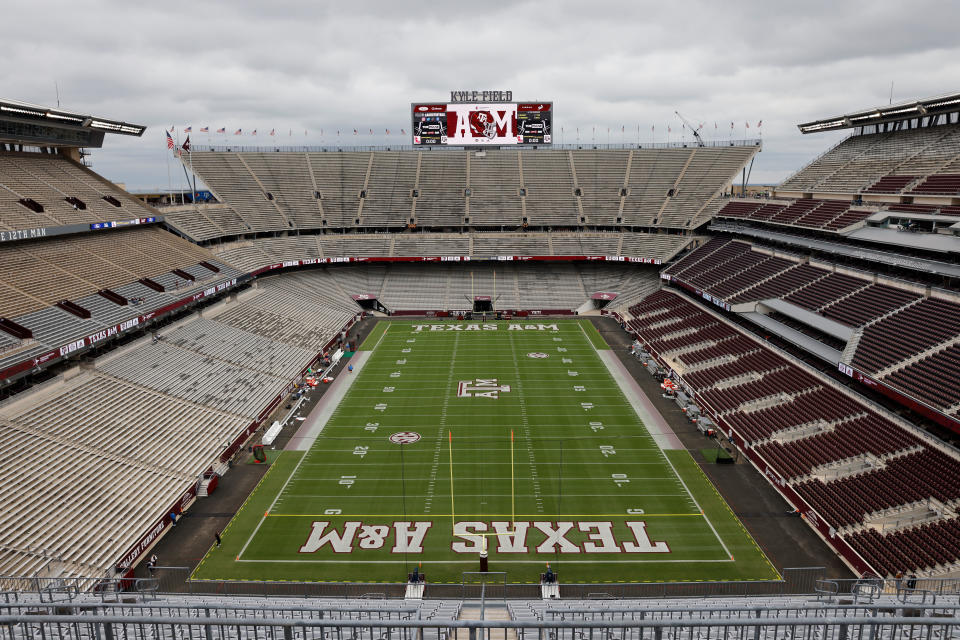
(57, 116)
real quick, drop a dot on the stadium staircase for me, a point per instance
(851, 347)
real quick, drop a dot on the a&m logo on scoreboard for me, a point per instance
(481, 388)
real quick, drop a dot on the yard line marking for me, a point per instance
(525, 426)
(435, 468)
(538, 516)
(263, 518)
(537, 562)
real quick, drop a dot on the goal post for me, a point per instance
(481, 537)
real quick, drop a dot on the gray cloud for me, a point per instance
(297, 66)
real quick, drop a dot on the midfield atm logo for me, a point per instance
(481, 388)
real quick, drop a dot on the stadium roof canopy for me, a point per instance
(946, 103)
(21, 122)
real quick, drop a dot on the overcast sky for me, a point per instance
(328, 65)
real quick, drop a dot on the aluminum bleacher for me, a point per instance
(278, 191)
(104, 453)
(888, 162)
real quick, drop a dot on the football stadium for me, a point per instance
(483, 379)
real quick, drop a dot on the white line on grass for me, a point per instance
(667, 460)
(270, 508)
(292, 474)
(565, 560)
(525, 428)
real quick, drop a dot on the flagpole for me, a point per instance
(169, 179)
(183, 196)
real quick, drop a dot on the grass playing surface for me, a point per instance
(582, 485)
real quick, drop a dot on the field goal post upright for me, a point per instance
(482, 537)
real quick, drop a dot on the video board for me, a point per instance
(472, 124)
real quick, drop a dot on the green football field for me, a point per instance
(512, 437)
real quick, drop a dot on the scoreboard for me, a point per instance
(470, 124)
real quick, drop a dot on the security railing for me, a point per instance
(335, 148)
(905, 627)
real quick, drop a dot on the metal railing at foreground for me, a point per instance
(340, 148)
(110, 627)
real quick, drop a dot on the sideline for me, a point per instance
(311, 428)
(661, 432)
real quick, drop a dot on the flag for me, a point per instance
(254, 132)
(204, 129)
(388, 131)
(623, 128)
(731, 125)
(172, 129)
(186, 144)
(669, 130)
(402, 132)
(354, 132)
(238, 132)
(653, 127)
(188, 130)
(371, 131)
(748, 124)
(273, 132)
(222, 130)
(714, 124)
(759, 124)
(169, 140)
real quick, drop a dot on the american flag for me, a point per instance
(238, 132)
(188, 130)
(273, 132)
(204, 129)
(254, 132)
(222, 130)
(170, 144)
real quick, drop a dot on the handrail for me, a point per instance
(343, 148)
(153, 621)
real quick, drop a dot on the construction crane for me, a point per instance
(696, 133)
